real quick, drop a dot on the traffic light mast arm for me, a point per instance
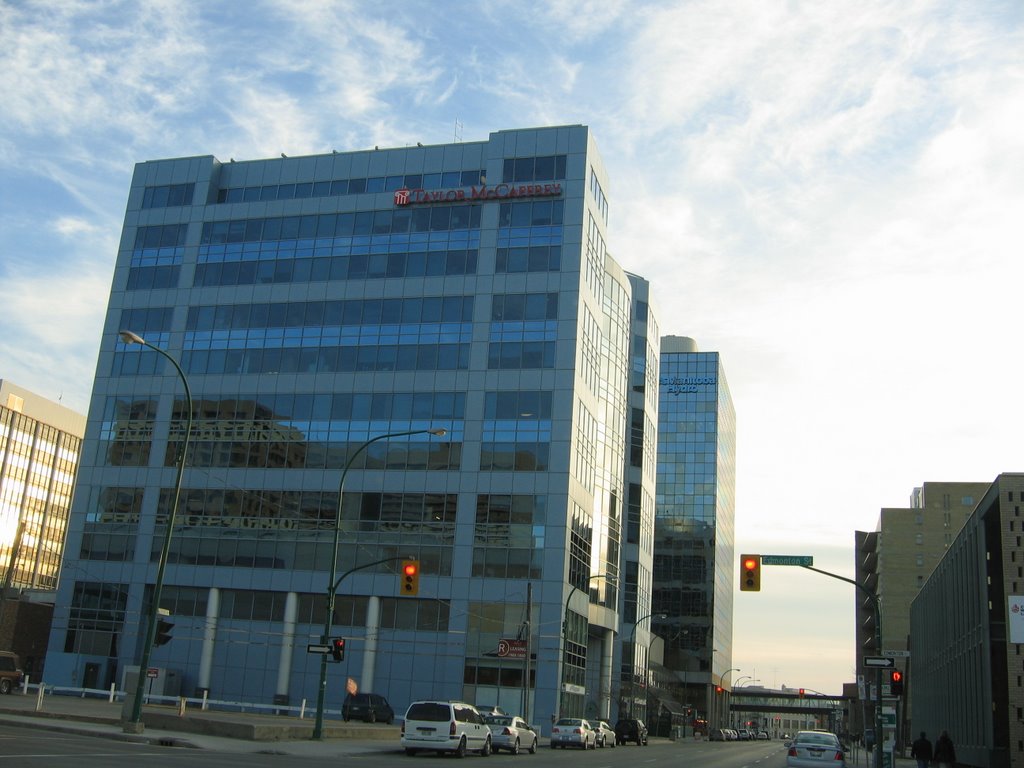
(350, 571)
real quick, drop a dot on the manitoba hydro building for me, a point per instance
(330, 314)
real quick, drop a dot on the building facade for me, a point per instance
(894, 562)
(966, 633)
(40, 446)
(317, 304)
(694, 529)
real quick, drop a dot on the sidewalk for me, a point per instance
(216, 731)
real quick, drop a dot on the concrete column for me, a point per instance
(284, 667)
(372, 632)
(607, 661)
(209, 640)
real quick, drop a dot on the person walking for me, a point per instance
(945, 754)
(922, 750)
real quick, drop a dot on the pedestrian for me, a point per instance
(922, 750)
(945, 754)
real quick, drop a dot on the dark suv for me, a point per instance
(370, 707)
(10, 672)
(631, 730)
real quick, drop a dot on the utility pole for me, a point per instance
(526, 660)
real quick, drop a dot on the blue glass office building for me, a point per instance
(316, 303)
(694, 559)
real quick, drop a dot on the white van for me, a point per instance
(445, 726)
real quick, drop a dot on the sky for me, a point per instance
(828, 194)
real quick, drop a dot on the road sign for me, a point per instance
(807, 560)
(318, 648)
(879, 662)
(896, 654)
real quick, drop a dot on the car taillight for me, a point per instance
(506, 731)
(577, 730)
(451, 728)
(839, 755)
(792, 751)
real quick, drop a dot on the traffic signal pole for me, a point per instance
(878, 644)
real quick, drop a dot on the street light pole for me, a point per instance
(565, 633)
(135, 724)
(332, 585)
(632, 649)
(721, 684)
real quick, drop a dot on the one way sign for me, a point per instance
(879, 662)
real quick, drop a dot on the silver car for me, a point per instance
(511, 733)
(815, 749)
(605, 734)
(573, 732)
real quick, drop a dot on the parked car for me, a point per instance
(763, 736)
(730, 734)
(605, 734)
(573, 732)
(511, 733)
(10, 672)
(368, 707)
(630, 729)
(744, 734)
(815, 749)
(445, 726)
(716, 734)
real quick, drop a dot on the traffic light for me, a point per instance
(750, 573)
(410, 577)
(338, 648)
(896, 683)
(163, 632)
(718, 689)
(801, 693)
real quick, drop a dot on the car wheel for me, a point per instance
(486, 750)
(515, 748)
(5, 686)
(614, 743)
(411, 751)
(460, 751)
(533, 748)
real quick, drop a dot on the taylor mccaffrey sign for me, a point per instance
(406, 196)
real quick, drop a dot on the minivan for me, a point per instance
(445, 726)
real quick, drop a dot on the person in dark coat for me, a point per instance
(945, 754)
(922, 750)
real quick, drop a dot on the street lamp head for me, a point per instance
(130, 337)
(438, 432)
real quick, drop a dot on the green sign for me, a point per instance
(787, 560)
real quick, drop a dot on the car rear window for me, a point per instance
(430, 712)
(498, 720)
(817, 738)
(569, 721)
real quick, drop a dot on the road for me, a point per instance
(26, 747)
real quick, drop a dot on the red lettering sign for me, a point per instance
(406, 196)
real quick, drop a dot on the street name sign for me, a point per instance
(807, 560)
(897, 654)
(317, 648)
(880, 662)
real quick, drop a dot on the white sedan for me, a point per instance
(573, 732)
(511, 734)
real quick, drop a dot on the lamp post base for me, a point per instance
(130, 727)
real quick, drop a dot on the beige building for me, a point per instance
(40, 443)
(894, 561)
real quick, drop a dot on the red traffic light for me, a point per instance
(410, 569)
(338, 648)
(750, 563)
